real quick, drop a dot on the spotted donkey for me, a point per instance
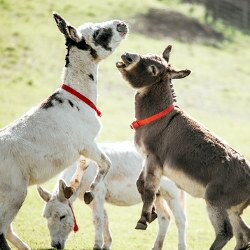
(176, 145)
(118, 188)
(53, 135)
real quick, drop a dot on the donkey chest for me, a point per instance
(184, 181)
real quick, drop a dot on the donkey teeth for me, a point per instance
(120, 65)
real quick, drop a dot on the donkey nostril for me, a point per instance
(121, 27)
(129, 59)
(57, 245)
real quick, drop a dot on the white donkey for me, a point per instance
(53, 135)
(118, 188)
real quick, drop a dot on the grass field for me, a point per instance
(217, 93)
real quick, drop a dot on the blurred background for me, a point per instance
(209, 37)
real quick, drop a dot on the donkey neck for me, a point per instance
(152, 100)
(82, 76)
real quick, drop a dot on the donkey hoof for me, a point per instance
(88, 197)
(68, 192)
(152, 217)
(141, 226)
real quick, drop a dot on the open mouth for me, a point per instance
(125, 62)
(122, 29)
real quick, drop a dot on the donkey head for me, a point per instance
(144, 71)
(58, 213)
(98, 39)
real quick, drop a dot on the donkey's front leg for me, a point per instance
(152, 182)
(75, 182)
(94, 153)
(140, 183)
(106, 233)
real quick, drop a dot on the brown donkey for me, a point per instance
(177, 146)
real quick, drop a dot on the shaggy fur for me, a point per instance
(118, 188)
(179, 147)
(53, 135)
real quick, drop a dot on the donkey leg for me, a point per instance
(163, 222)
(98, 219)
(94, 153)
(240, 230)
(152, 183)
(11, 201)
(223, 229)
(82, 165)
(106, 233)
(15, 240)
(140, 183)
(3, 243)
(180, 221)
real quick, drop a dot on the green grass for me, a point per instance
(217, 93)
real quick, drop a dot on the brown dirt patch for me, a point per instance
(160, 23)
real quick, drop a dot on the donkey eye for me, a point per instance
(96, 33)
(153, 70)
(62, 217)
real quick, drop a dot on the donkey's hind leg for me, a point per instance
(223, 229)
(11, 197)
(15, 240)
(94, 153)
(151, 187)
(240, 230)
(3, 243)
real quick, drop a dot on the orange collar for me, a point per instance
(138, 123)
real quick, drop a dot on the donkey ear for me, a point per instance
(62, 186)
(66, 29)
(166, 52)
(61, 23)
(178, 74)
(44, 194)
(74, 34)
(65, 192)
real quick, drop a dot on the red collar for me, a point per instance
(81, 97)
(138, 123)
(75, 227)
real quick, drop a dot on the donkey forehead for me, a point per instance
(55, 208)
(91, 27)
(153, 58)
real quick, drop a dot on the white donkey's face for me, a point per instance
(98, 39)
(60, 219)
